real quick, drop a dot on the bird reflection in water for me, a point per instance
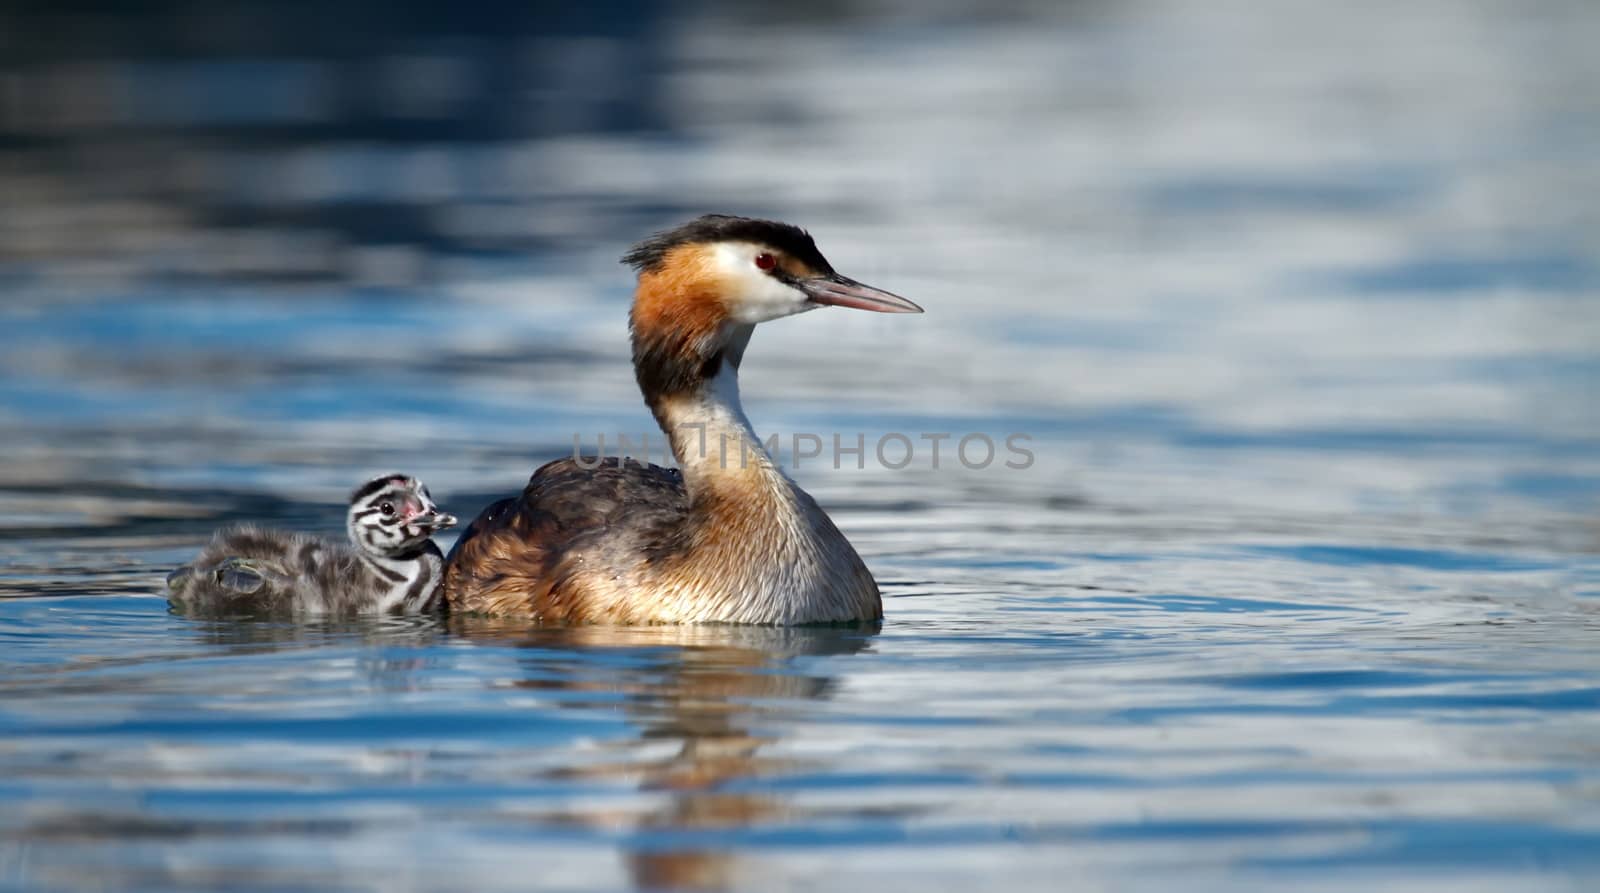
(704, 687)
(706, 710)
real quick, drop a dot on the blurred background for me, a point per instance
(1299, 304)
(342, 226)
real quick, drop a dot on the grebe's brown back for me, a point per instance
(727, 539)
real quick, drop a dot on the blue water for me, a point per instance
(1297, 313)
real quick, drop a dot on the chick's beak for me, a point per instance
(435, 520)
(841, 291)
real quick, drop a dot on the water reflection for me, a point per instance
(235, 734)
(702, 689)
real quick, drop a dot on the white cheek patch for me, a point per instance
(755, 295)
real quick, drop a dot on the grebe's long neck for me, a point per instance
(710, 435)
(754, 547)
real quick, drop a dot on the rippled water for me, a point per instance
(1298, 310)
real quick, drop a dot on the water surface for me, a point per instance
(1298, 310)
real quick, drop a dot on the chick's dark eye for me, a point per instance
(766, 261)
(386, 509)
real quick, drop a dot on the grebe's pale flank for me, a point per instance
(394, 565)
(724, 540)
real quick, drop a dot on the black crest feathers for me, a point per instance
(791, 240)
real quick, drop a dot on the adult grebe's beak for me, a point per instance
(842, 291)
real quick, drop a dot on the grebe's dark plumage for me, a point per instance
(727, 539)
(566, 510)
(394, 564)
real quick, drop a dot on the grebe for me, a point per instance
(394, 564)
(729, 538)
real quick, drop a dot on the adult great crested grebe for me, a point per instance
(394, 564)
(729, 538)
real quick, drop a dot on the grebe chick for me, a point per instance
(729, 538)
(394, 564)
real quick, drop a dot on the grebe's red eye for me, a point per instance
(766, 261)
